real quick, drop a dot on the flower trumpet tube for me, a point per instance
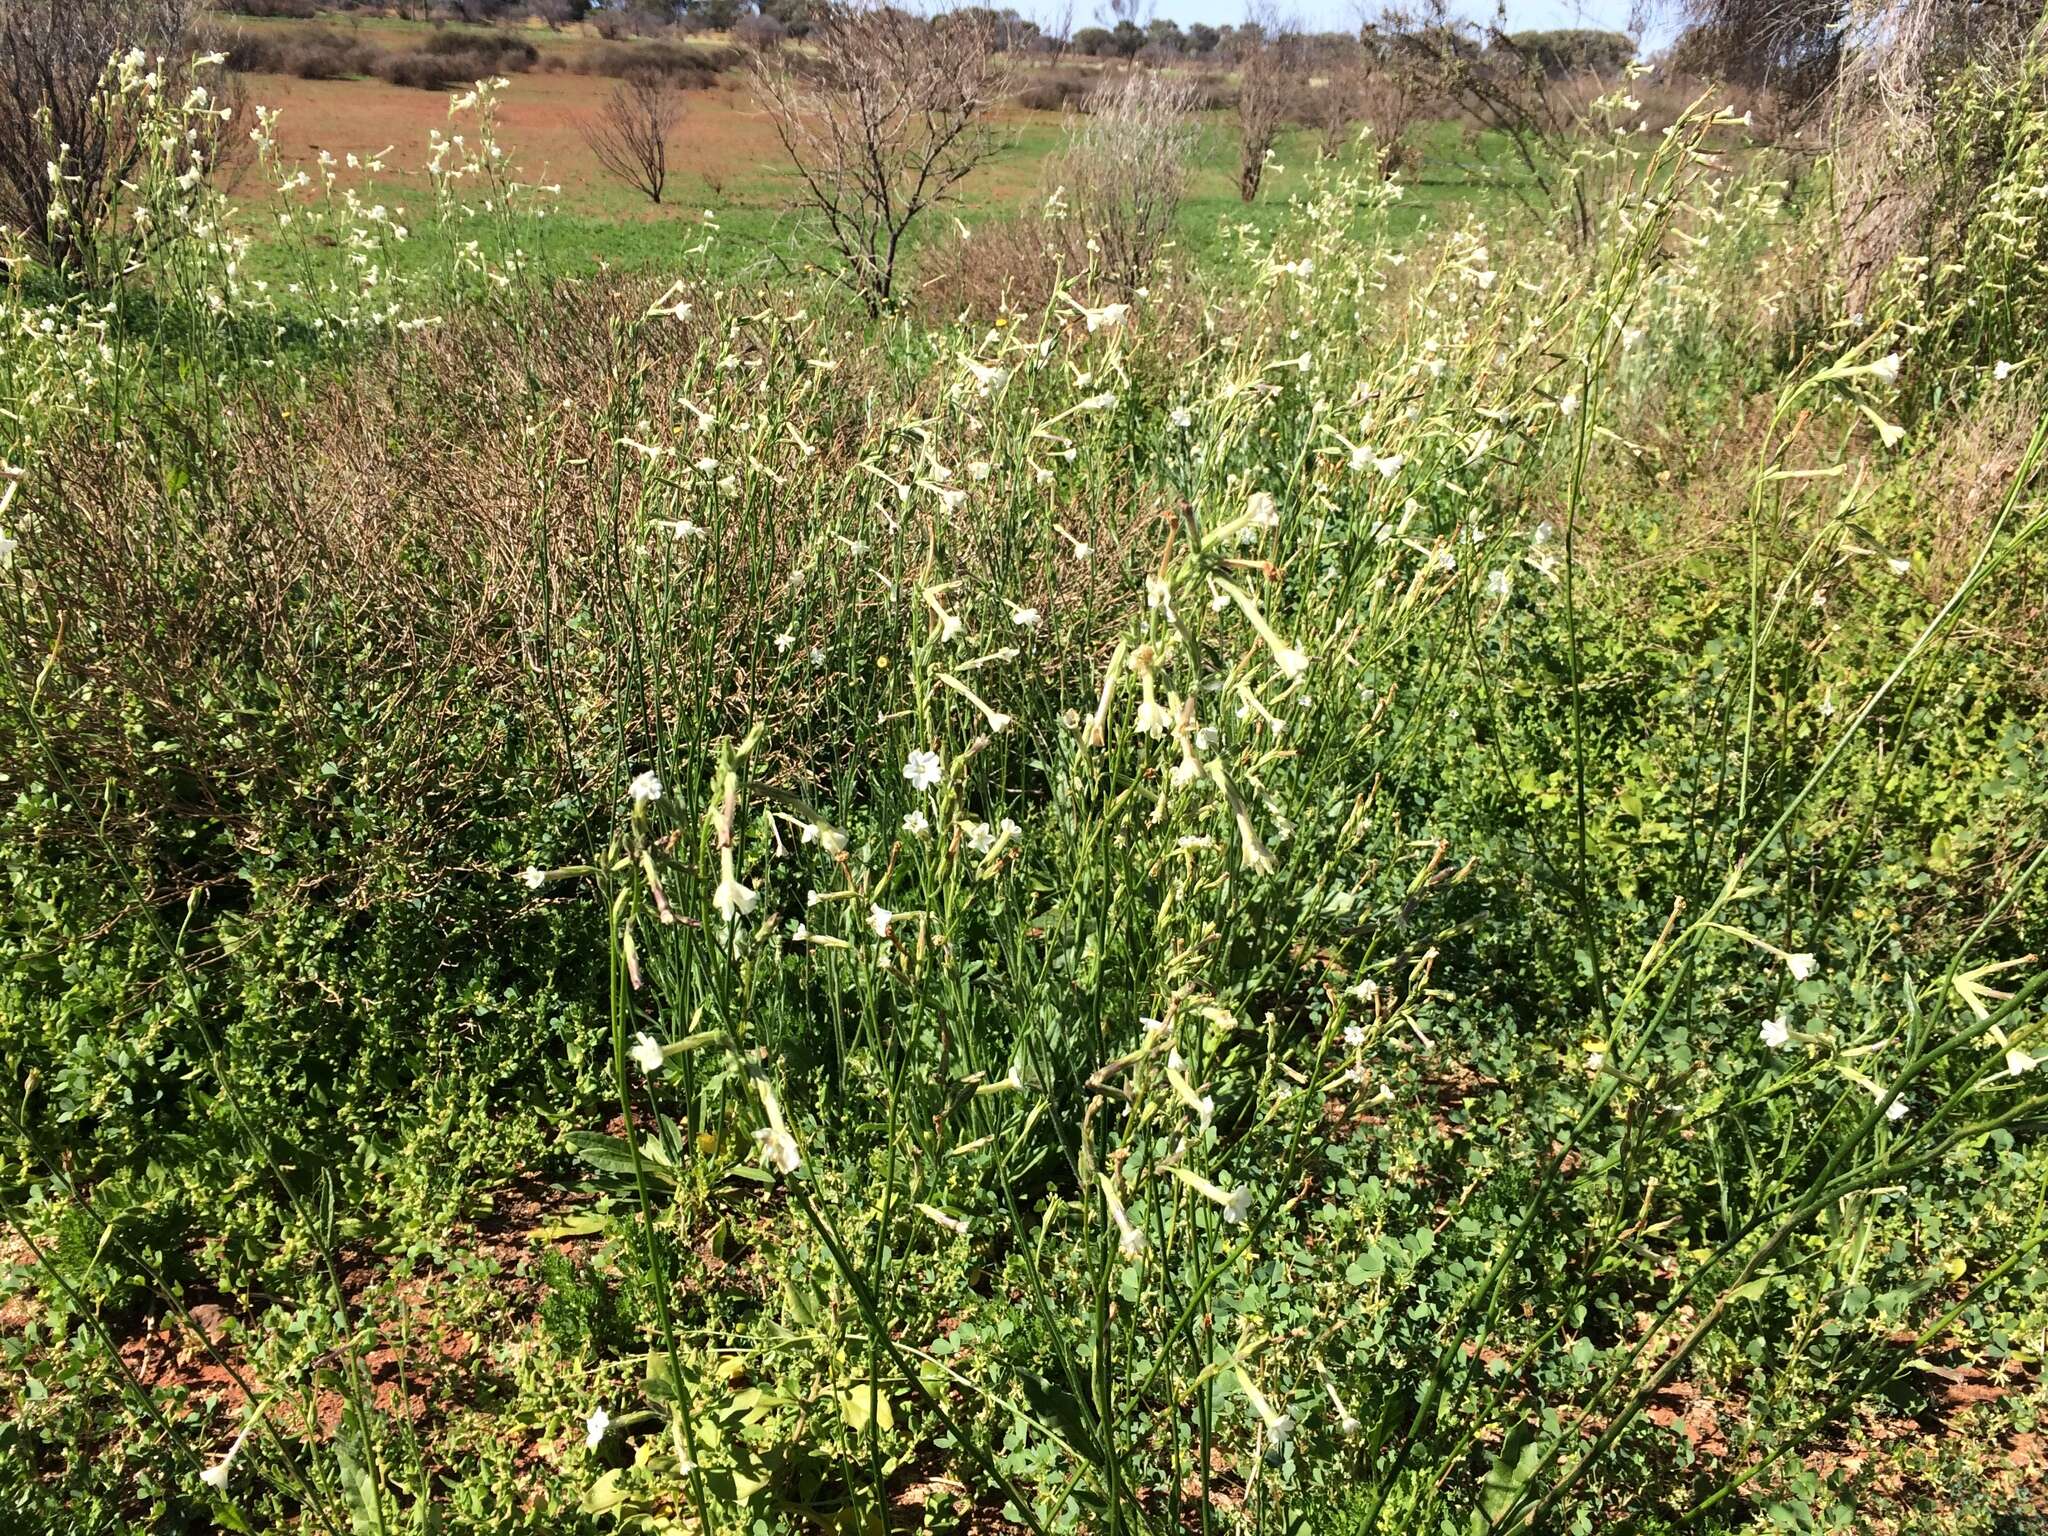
(1098, 725)
(1010, 1082)
(1153, 718)
(1130, 1241)
(1189, 768)
(1292, 663)
(1202, 1104)
(732, 899)
(631, 954)
(1260, 511)
(216, 1476)
(949, 623)
(1256, 855)
(661, 906)
(777, 1149)
(1279, 1426)
(998, 722)
(1236, 1204)
(1347, 1421)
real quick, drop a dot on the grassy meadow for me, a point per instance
(1394, 883)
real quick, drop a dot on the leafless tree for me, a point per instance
(630, 135)
(1335, 101)
(1269, 67)
(882, 115)
(54, 56)
(1481, 74)
(1125, 170)
(1801, 50)
(1792, 47)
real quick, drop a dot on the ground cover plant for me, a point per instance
(1299, 874)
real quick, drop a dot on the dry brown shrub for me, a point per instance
(1002, 267)
(430, 553)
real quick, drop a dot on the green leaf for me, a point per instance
(858, 1403)
(607, 1154)
(604, 1496)
(1519, 1457)
(359, 1493)
(575, 1226)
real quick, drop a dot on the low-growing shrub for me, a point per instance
(515, 54)
(1054, 90)
(298, 10)
(451, 59)
(314, 53)
(692, 67)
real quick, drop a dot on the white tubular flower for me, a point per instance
(734, 900)
(777, 1149)
(998, 722)
(647, 1054)
(1130, 1241)
(1106, 318)
(1256, 855)
(880, 918)
(1292, 663)
(917, 824)
(1279, 1426)
(953, 1224)
(923, 769)
(1236, 1204)
(216, 1476)
(1011, 1081)
(1801, 966)
(1202, 1104)
(1347, 1422)
(825, 835)
(533, 877)
(1886, 368)
(1098, 723)
(645, 788)
(595, 1426)
(2018, 1063)
(1776, 1033)
(1025, 618)
(1154, 719)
